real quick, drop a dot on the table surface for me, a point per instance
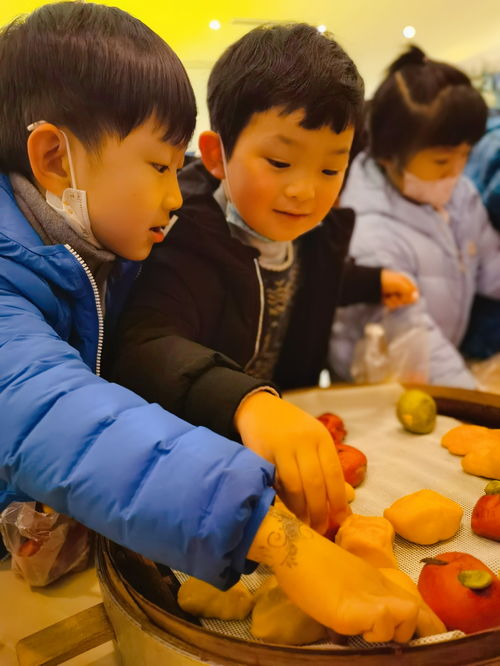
(25, 610)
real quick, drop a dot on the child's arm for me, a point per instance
(156, 353)
(335, 587)
(133, 472)
(366, 284)
(159, 359)
(309, 476)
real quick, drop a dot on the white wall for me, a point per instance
(198, 76)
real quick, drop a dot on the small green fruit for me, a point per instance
(416, 410)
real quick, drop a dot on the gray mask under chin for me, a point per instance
(233, 217)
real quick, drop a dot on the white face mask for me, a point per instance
(437, 193)
(232, 213)
(72, 206)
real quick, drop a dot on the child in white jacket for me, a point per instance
(416, 213)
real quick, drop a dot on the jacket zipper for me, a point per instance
(261, 314)
(97, 298)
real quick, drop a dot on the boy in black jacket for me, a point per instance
(256, 263)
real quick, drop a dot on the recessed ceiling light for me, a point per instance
(214, 24)
(409, 31)
(321, 28)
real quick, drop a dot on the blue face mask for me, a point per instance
(234, 218)
(232, 213)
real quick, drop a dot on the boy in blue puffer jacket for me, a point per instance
(95, 114)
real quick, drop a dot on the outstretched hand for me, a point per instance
(336, 588)
(309, 477)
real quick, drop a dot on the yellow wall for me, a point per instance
(370, 30)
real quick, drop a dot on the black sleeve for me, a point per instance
(360, 284)
(155, 355)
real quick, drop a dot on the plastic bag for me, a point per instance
(44, 544)
(371, 363)
(391, 351)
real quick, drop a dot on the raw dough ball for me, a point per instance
(425, 517)
(484, 460)
(199, 598)
(368, 537)
(349, 492)
(465, 438)
(275, 619)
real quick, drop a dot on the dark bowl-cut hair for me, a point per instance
(423, 103)
(93, 69)
(292, 67)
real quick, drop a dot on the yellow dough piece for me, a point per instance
(275, 619)
(266, 586)
(425, 517)
(466, 438)
(368, 537)
(484, 461)
(199, 598)
(349, 492)
(428, 622)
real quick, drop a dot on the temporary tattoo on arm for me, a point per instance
(292, 530)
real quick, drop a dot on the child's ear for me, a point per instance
(209, 144)
(48, 158)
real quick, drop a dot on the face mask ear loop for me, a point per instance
(226, 173)
(70, 161)
(37, 123)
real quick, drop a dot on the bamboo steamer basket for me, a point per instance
(140, 613)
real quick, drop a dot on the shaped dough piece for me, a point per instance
(425, 517)
(199, 598)
(368, 537)
(349, 492)
(465, 438)
(275, 619)
(484, 461)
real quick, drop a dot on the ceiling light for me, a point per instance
(321, 28)
(214, 24)
(409, 31)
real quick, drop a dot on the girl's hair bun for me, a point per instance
(413, 56)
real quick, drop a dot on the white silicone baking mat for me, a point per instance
(399, 463)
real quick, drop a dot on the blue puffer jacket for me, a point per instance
(482, 338)
(180, 495)
(449, 261)
(483, 168)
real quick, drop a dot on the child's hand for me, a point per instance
(397, 289)
(336, 588)
(309, 475)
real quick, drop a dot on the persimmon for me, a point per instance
(353, 463)
(462, 591)
(334, 425)
(485, 519)
(352, 460)
(28, 548)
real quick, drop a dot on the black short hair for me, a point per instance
(423, 103)
(90, 68)
(289, 66)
